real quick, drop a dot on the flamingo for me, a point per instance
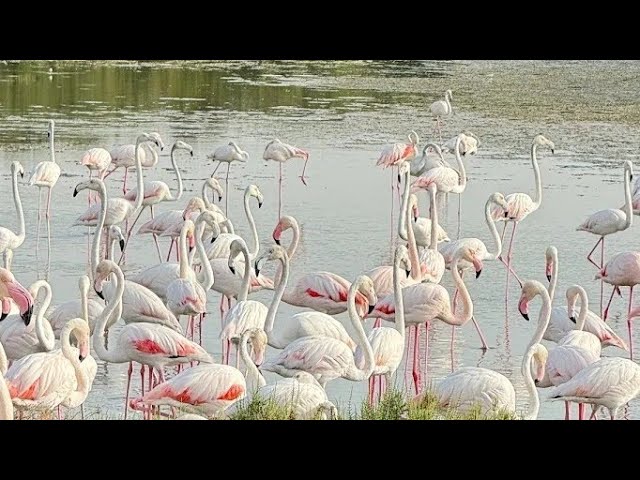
(609, 221)
(9, 241)
(19, 337)
(149, 344)
(324, 292)
(281, 152)
(471, 386)
(447, 179)
(6, 406)
(561, 323)
(97, 159)
(388, 343)
(426, 162)
(520, 205)
(610, 382)
(422, 226)
(46, 175)
(45, 380)
(228, 153)
(623, 270)
(204, 389)
(59, 316)
(11, 289)
(155, 192)
(424, 302)
(327, 358)
(441, 108)
(468, 146)
(301, 394)
(431, 260)
(125, 156)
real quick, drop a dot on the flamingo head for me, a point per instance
(10, 288)
(364, 286)
(157, 139)
(403, 261)
(530, 289)
(214, 185)
(83, 337)
(181, 145)
(498, 199)
(241, 156)
(52, 125)
(471, 256)
(258, 339)
(413, 202)
(628, 167)
(237, 247)
(18, 168)
(413, 138)
(285, 223)
(255, 192)
(538, 362)
(542, 141)
(103, 270)
(190, 234)
(274, 252)
(550, 259)
(449, 93)
(6, 308)
(115, 232)
(94, 184)
(195, 204)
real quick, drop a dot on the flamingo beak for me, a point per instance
(523, 308)
(121, 244)
(259, 204)
(219, 198)
(371, 309)
(26, 316)
(191, 152)
(277, 240)
(75, 192)
(21, 174)
(548, 277)
(213, 239)
(232, 268)
(573, 319)
(99, 294)
(553, 151)
(408, 272)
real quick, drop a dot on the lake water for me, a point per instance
(343, 113)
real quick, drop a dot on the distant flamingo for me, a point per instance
(468, 146)
(149, 344)
(609, 221)
(6, 406)
(327, 358)
(228, 153)
(60, 315)
(442, 108)
(43, 381)
(46, 175)
(97, 159)
(11, 289)
(471, 386)
(426, 162)
(155, 192)
(9, 241)
(281, 152)
(623, 270)
(520, 205)
(125, 156)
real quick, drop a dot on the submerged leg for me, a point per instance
(126, 397)
(629, 323)
(606, 310)
(600, 240)
(155, 239)
(485, 346)
(126, 242)
(416, 361)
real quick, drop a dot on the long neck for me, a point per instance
(184, 255)
(536, 173)
(84, 303)
(205, 198)
(414, 258)
(448, 102)
(465, 314)
(244, 290)
(139, 180)
(404, 219)
(361, 338)
(543, 318)
(6, 406)
(494, 232)
(551, 290)
(277, 297)
(82, 376)
(532, 391)
(255, 378)
(252, 225)
(52, 148)
(417, 165)
(148, 146)
(627, 200)
(112, 247)
(178, 195)
(397, 292)
(97, 237)
(113, 307)
(433, 245)
(46, 341)
(18, 203)
(584, 308)
(462, 181)
(291, 250)
(204, 259)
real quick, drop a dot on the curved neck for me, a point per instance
(397, 293)
(627, 200)
(254, 377)
(113, 307)
(252, 225)
(112, 247)
(277, 297)
(137, 204)
(18, 204)
(361, 338)
(584, 308)
(414, 258)
(148, 146)
(532, 391)
(46, 341)
(4, 363)
(71, 354)
(52, 148)
(417, 165)
(244, 289)
(462, 173)
(174, 163)
(291, 250)
(448, 102)
(204, 259)
(97, 237)
(184, 255)
(551, 290)
(536, 173)
(404, 219)
(84, 303)
(494, 232)
(205, 198)
(466, 312)
(433, 211)
(543, 317)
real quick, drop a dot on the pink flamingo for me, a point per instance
(327, 358)
(43, 381)
(520, 205)
(125, 156)
(424, 302)
(281, 152)
(11, 289)
(609, 221)
(441, 108)
(623, 270)
(324, 292)
(149, 344)
(9, 241)
(155, 192)
(60, 315)
(228, 153)
(97, 159)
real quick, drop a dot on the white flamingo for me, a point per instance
(9, 240)
(125, 156)
(442, 108)
(228, 154)
(64, 312)
(46, 175)
(468, 146)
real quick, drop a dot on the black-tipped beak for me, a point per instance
(75, 192)
(257, 270)
(219, 198)
(190, 248)
(399, 179)
(478, 273)
(21, 174)
(121, 244)
(191, 153)
(506, 214)
(631, 176)
(553, 151)
(3, 316)
(233, 270)
(408, 272)
(259, 204)
(81, 358)
(415, 218)
(536, 381)
(549, 278)
(26, 316)
(99, 294)
(371, 308)
(525, 316)
(277, 240)
(573, 319)
(213, 239)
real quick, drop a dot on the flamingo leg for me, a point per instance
(48, 214)
(629, 323)
(90, 192)
(126, 398)
(392, 204)
(279, 190)
(216, 169)
(377, 322)
(124, 180)
(452, 346)
(581, 411)
(459, 215)
(304, 168)
(600, 240)
(39, 217)
(427, 325)
(567, 411)
(483, 340)
(126, 242)
(155, 239)
(406, 361)
(226, 202)
(106, 174)
(416, 361)
(606, 310)
(510, 254)
(371, 389)
(601, 280)
(170, 248)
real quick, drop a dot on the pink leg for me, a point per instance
(124, 181)
(406, 362)
(601, 280)
(170, 248)
(371, 389)
(380, 377)
(629, 323)
(416, 361)
(155, 239)
(279, 191)
(567, 411)
(226, 203)
(485, 346)
(106, 174)
(606, 310)
(126, 398)
(601, 239)
(427, 325)
(581, 411)
(509, 254)
(452, 346)
(377, 323)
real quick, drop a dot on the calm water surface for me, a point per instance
(343, 113)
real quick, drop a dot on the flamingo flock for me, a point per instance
(50, 347)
